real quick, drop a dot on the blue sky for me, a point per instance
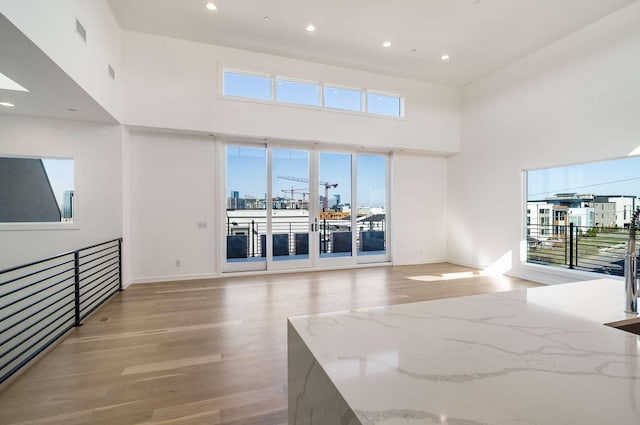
(617, 177)
(287, 91)
(61, 176)
(246, 173)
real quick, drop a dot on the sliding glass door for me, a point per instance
(303, 208)
(245, 220)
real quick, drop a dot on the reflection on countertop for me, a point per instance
(536, 356)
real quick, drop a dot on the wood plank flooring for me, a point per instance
(208, 351)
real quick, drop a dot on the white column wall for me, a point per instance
(418, 209)
(96, 150)
(174, 84)
(172, 181)
(577, 100)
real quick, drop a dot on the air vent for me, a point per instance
(112, 73)
(81, 31)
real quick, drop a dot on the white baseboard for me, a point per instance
(419, 261)
(464, 264)
(159, 279)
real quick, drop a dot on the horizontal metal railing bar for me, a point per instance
(35, 303)
(29, 327)
(37, 282)
(96, 252)
(88, 300)
(35, 353)
(109, 269)
(31, 294)
(110, 256)
(26, 350)
(113, 287)
(41, 309)
(35, 273)
(56, 256)
(84, 271)
(107, 276)
(54, 304)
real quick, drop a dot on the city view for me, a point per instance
(291, 203)
(578, 216)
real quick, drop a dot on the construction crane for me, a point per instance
(295, 190)
(327, 186)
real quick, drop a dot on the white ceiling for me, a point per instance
(480, 35)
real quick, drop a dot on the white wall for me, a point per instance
(173, 84)
(172, 186)
(96, 150)
(172, 181)
(576, 100)
(419, 215)
(51, 26)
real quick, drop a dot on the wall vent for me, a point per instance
(112, 73)
(81, 31)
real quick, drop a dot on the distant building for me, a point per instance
(604, 211)
(67, 205)
(625, 206)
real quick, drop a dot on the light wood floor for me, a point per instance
(208, 351)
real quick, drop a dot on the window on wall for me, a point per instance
(321, 95)
(576, 215)
(247, 85)
(345, 99)
(383, 104)
(297, 92)
(37, 190)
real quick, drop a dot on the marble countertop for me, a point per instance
(535, 356)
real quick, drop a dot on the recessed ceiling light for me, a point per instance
(310, 28)
(445, 57)
(211, 6)
(267, 18)
(386, 44)
(7, 104)
(72, 110)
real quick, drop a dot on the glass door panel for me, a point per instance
(246, 219)
(371, 189)
(290, 227)
(334, 205)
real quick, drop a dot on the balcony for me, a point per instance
(591, 249)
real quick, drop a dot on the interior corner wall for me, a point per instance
(96, 150)
(175, 84)
(171, 188)
(418, 209)
(51, 26)
(577, 100)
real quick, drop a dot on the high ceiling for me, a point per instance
(479, 35)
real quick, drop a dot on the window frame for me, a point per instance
(248, 74)
(386, 94)
(73, 225)
(321, 84)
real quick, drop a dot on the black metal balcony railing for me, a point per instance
(41, 301)
(598, 250)
(247, 239)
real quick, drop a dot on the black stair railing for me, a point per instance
(42, 300)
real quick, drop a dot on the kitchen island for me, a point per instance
(537, 356)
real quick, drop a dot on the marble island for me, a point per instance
(539, 356)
